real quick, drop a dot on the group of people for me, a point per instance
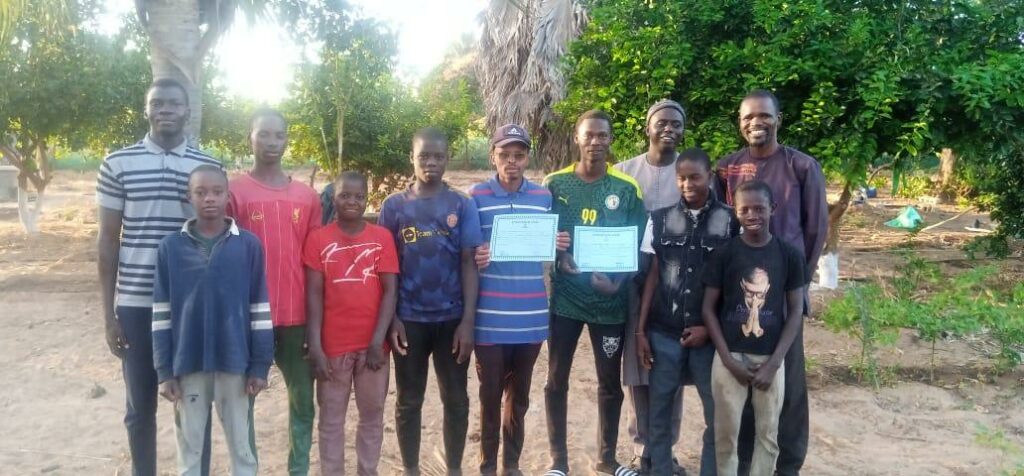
(208, 281)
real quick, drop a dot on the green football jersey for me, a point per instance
(612, 200)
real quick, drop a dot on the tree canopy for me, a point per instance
(859, 82)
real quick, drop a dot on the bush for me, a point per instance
(934, 304)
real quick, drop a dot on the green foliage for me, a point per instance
(350, 111)
(80, 88)
(857, 80)
(936, 305)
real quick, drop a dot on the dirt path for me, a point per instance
(63, 400)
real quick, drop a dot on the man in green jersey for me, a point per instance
(589, 193)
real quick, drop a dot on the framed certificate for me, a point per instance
(606, 249)
(524, 237)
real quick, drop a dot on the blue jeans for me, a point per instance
(673, 366)
(141, 389)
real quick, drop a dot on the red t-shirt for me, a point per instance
(351, 266)
(281, 218)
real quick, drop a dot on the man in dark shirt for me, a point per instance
(801, 220)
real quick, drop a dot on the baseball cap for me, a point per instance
(510, 133)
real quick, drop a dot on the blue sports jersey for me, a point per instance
(430, 234)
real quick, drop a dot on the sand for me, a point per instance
(62, 401)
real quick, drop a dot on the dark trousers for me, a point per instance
(794, 421)
(411, 379)
(504, 369)
(141, 391)
(673, 366)
(606, 340)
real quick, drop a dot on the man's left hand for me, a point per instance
(462, 345)
(255, 385)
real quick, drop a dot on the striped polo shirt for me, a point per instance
(149, 186)
(513, 303)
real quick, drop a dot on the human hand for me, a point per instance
(603, 284)
(482, 256)
(396, 335)
(116, 340)
(322, 369)
(171, 390)
(643, 351)
(764, 376)
(375, 357)
(566, 264)
(462, 345)
(738, 370)
(562, 241)
(694, 336)
(255, 385)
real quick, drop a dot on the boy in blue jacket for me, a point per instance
(213, 338)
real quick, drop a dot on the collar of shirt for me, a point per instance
(500, 191)
(186, 228)
(155, 149)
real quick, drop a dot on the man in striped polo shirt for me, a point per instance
(512, 310)
(142, 191)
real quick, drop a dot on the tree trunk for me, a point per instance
(341, 136)
(29, 216)
(947, 169)
(835, 216)
(177, 46)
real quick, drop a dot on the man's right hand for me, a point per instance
(482, 256)
(643, 350)
(738, 370)
(567, 265)
(171, 389)
(321, 364)
(396, 335)
(115, 337)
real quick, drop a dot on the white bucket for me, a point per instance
(828, 271)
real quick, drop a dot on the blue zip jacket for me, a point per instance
(211, 313)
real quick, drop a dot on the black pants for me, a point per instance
(794, 421)
(411, 378)
(504, 369)
(141, 391)
(606, 340)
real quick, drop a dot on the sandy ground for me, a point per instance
(62, 401)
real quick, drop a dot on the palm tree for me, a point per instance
(520, 73)
(181, 34)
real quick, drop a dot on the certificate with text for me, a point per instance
(524, 237)
(606, 249)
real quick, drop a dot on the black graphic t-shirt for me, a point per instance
(754, 282)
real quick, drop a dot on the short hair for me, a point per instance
(695, 154)
(430, 134)
(350, 175)
(764, 94)
(168, 83)
(754, 186)
(207, 168)
(593, 114)
(266, 112)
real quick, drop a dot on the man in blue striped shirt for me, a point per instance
(512, 310)
(142, 192)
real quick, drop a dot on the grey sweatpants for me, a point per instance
(226, 392)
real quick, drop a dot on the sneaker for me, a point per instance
(613, 469)
(556, 472)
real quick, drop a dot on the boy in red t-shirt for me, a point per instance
(351, 293)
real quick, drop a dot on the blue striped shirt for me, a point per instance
(513, 303)
(149, 186)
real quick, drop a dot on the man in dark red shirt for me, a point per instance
(800, 219)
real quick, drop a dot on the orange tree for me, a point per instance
(858, 81)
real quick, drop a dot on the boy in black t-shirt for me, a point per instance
(753, 302)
